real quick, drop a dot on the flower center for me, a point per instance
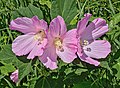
(58, 44)
(40, 35)
(84, 43)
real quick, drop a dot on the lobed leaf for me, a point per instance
(29, 11)
(65, 8)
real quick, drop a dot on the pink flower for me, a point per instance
(34, 39)
(61, 43)
(88, 46)
(14, 76)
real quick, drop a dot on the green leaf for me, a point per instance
(72, 78)
(2, 76)
(115, 20)
(33, 82)
(50, 82)
(65, 8)
(43, 83)
(36, 11)
(104, 64)
(82, 85)
(61, 64)
(29, 11)
(24, 70)
(56, 82)
(117, 54)
(8, 57)
(74, 21)
(80, 70)
(45, 2)
(10, 85)
(7, 69)
(85, 84)
(68, 70)
(117, 67)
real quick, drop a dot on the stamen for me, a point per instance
(40, 36)
(58, 44)
(84, 43)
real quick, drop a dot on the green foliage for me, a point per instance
(104, 64)
(80, 70)
(8, 57)
(7, 68)
(32, 74)
(45, 2)
(85, 84)
(24, 70)
(43, 83)
(29, 11)
(117, 67)
(67, 10)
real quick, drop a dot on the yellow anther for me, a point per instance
(84, 43)
(58, 44)
(40, 35)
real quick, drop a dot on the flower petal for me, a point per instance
(57, 27)
(69, 47)
(23, 43)
(89, 60)
(26, 44)
(82, 24)
(51, 64)
(98, 49)
(39, 24)
(87, 33)
(68, 55)
(70, 38)
(14, 76)
(99, 22)
(63, 28)
(49, 52)
(28, 25)
(79, 49)
(98, 32)
(100, 28)
(24, 25)
(36, 51)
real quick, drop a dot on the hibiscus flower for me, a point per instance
(88, 46)
(60, 43)
(34, 39)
